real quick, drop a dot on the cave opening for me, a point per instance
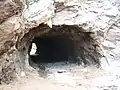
(67, 44)
(52, 48)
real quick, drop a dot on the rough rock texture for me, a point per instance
(10, 24)
(20, 22)
(86, 48)
(9, 8)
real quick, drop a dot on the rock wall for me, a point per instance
(18, 17)
(10, 26)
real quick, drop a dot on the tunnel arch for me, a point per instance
(79, 46)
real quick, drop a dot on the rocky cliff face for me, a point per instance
(22, 20)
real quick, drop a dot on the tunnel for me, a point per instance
(67, 44)
(52, 48)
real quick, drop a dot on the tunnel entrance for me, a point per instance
(53, 48)
(67, 44)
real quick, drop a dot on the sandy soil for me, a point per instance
(69, 77)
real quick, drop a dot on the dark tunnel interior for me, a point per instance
(53, 48)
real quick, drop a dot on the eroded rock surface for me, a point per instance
(18, 17)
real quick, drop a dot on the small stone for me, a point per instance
(59, 71)
(22, 74)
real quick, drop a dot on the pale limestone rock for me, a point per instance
(18, 17)
(33, 49)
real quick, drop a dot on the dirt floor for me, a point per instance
(62, 76)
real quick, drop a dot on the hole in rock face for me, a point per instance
(52, 48)
(64, 43)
